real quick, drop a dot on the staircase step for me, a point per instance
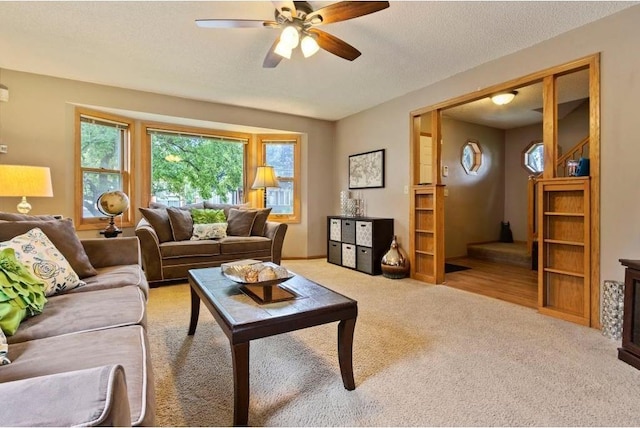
(501, 252)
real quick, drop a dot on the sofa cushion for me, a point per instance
(99, 399)
(178, 249)
(240, 222)
(260, 221)
(209, 231)
(115, 277)
(74, 313)
(44, 261)
(62, 234)
(241, 244)
(25, 217)
(126, 346)
(158, 218)
(181, 223)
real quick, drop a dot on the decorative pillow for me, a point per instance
(261, 220)
(181, 223)
(21, 294)
(207, 216)
(44, 261)
(63, 236)
(159, 220)
(209, 231)
(240, 222)
(4, 350)
(226, 207)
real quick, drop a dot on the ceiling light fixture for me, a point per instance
(309, 46)
(290, 36)
(503, 98)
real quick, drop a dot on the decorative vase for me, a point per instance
(395, 263)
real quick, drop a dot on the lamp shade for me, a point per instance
(21, 180)
(265, 177)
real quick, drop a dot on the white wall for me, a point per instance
(387, 126)
(38, 126)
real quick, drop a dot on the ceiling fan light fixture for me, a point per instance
(309, 46)
(283, 50)
(503, 98)
(290, 37)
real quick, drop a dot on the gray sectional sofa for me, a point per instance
(167, 255)
(85, 359)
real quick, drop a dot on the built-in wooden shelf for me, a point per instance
(562, 242)
(564, 272)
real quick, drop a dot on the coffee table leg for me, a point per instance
(240, 357)
(345, 354)
(195, 312)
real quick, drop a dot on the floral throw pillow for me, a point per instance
(208, 216)
(4, 349)
(209, 231)
(35, 250)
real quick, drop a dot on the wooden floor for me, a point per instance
(510, 283)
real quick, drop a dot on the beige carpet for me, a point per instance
(424, 355)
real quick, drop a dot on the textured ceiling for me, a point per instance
(156, 47)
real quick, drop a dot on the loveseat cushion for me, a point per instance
(62, 234)
(115, 277)
(240, 222)
(181, 223)
(73, 313)
(244, 244)
(126, 346)
(170, 250)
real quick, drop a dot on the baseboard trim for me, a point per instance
(305, 258)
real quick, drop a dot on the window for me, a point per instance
(283, 153)
(189, 165)
(103, 164)
(533, 157)
(471, 157)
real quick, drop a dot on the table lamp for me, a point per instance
(23, 181)
(265, 177)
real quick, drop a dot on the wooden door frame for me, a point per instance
(548, 78)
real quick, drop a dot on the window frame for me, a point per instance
(477, 157)
(294, 139)
(525, 153)
(127, 158)
(181, 129)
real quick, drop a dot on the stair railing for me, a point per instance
(576, 152)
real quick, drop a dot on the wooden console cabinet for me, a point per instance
(358, 242)
(630, 350)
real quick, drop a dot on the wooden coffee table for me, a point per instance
(243, 318)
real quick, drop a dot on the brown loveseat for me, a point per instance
(168, 254)
(85, 359)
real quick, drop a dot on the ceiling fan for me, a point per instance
(298, 22)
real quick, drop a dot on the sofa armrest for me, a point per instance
(150, 250)
(276, 232)
(90, 397)
(112, 252)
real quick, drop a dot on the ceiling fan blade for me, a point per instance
(233, 23)
(344, 10)
(272, 59)
(334, 45)
(286, 8)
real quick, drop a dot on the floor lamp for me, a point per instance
(265, 177)
(23, 181)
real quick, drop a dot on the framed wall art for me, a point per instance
(366, 170)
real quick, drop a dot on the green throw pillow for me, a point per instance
(21, 294)
(207, 216)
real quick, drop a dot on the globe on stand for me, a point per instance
(112, 204)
